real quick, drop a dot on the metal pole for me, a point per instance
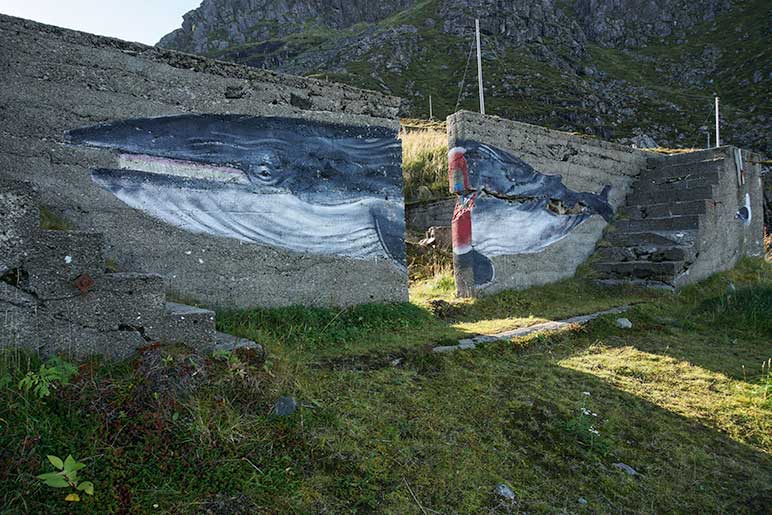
(479, 66)
(431, 113)
(718, 138)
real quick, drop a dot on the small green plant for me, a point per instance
(583, 426)
(67, 477)
(41, 383)
(235, 365)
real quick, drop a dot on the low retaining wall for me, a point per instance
(240, 187)
(537, 201)
(420, 216)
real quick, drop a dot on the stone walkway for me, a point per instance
(473, 343)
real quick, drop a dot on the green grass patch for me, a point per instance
(682, 397)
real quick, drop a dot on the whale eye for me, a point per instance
(262, 172)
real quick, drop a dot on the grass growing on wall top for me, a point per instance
(681, 397)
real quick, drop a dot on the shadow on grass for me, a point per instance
(454, 426)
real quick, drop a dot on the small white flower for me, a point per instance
(585, 411)
(68, 259)
(594, 431)
(594, 414)
(586, 393)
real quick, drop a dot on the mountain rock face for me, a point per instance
(638, 71)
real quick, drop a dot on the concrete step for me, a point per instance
(673, 183)
(676, 171)
(670, 195)
(187, 325)
(691, 207)
(664, 271)
(115, 302)
(688, 157)
(58, 258)
(672, 223)
(643, 283)
(658, 238)
(653, 253)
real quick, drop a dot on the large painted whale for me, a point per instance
(299, 185)
(518, 210)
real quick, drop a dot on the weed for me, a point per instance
(67, 477)
(46, 378)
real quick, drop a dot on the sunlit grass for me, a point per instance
(425, 164)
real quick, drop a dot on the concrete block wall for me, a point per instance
(88, 120)
(420, 216)
(518, 239)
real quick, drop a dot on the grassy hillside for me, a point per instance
(384, 425)
(664, 89)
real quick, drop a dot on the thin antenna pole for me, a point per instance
(431, 112)
(718, 138)
(479, 66)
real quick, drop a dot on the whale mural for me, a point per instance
(294, 184)
(506, 207)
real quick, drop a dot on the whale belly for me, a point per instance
(502, 227)
(279, 220)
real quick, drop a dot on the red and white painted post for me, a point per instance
(463, 266)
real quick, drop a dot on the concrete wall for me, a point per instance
(431, 213)
(519, 238)
(82, 118)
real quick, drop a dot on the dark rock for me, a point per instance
(284, 407)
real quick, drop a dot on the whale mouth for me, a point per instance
(181, 168)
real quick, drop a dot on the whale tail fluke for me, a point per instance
(483, 269)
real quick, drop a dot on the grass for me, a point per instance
(424, 164)
(682, 398)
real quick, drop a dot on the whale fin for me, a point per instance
(483, 269)
(391, 235)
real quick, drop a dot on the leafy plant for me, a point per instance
(67, 477)
(44, 380)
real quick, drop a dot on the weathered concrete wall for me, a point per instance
(57, 86)
(724, 235)
(519, 237)
(433, 213)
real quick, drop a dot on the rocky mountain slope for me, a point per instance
(639, 71)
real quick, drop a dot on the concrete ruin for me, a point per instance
(533, 205)
(58, 296)
(239, 187)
